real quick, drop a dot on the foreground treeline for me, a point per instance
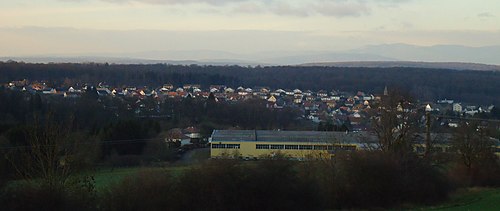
(52, 171)
(90, 112)
(111, 132)
(349, 181)
(56, 173)
(426, 84)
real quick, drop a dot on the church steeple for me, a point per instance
(385, 91)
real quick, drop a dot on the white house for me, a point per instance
(457, 107)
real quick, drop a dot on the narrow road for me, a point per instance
(194, 156)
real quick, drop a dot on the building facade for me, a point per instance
(254, 144)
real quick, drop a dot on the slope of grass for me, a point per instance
(471, 199)
(105, 177)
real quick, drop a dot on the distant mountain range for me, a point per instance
(390, 55)
(437, 53)
(389, 64)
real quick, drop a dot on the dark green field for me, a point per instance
(462, 199)
(105, 177)
(471, 199)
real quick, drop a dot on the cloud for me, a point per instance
(297, 8)
(485, 15)
(332, 8)
(285, 9)
(225, 2)
(350, 9)
(249, 8)
(173, 2)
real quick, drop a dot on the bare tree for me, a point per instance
(472, 144)
(395, 122)
(49, 154)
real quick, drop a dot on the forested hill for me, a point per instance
(431, 65)
(426, 84)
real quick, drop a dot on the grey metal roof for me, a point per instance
(291, 136)
(317, 136)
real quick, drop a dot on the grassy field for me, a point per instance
(463, 199)
(105, 177)
(470, 199)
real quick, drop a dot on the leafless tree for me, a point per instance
(472, 144)
(395, 122)
(50, 152)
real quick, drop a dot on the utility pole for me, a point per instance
(428, 144)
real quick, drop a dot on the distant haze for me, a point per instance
(455, 57)
(253, 31)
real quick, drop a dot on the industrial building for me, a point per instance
(254, 144)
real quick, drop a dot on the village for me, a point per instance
(334, 107)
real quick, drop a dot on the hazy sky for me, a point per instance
(39, 27)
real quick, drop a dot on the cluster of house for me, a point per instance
(447, 106)
(178, 137)
(335, 106)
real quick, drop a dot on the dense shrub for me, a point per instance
(116, 160)
(369, 179)
(275, 184)
(358, 180)
(148, 190)
(79, 195)
(215, 185)
(484, 174)
(349, 181)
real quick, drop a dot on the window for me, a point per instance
(349, 148)
(218, 146)
(232, 146)
(320, 147)
(291, 147)
(341, 148)
(262, 146)
(305, 147)
(274, 146)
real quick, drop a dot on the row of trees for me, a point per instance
(470, 147)
(357, 180)
(363, 179)
(426, 84)
(88, 128)
(54, 154)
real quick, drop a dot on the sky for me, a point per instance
(118, 27)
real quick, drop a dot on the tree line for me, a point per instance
(47, 165)
(121, 136)
(425, 84)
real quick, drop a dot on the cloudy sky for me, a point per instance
(88, 27)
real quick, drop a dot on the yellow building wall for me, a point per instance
(248, 150)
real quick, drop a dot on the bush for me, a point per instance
(275, 184)
(116, 160)
(354, 180)
(80, 195)
(369, 179)
(147, 190)
(216, 185)
(484, 174)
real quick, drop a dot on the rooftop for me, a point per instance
(291, 136)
